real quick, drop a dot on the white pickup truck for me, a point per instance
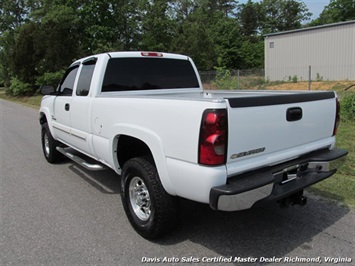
(146, 116)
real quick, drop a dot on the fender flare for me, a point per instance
(44, 111)
(154, 143)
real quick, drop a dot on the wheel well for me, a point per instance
(42, 118)
(129, 147)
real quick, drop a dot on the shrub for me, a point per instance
(293, 79)
(348, 107)
(50, 78)
(19, 88)
(319, 77)
(224, 80)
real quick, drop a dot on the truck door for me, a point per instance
(80, 114)
(61, 118)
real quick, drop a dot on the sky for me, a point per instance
(314, 6)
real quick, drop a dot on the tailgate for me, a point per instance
(267, 129)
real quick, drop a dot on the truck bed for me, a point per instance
(264, 127)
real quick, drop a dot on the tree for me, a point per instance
(193, 39)
(207, 34)
(227, 41)
(252, 54)
(181, 9)
(39, 38)
(282, 15)
(127, 23)
(58, 38)
(97, 27)
(228, 7)
(25, 57)
(12, 14)
(107, 25)
(157, 29)
(336, 11)
(249, 18)
(44, 42)
(293, 14)
(7, 43)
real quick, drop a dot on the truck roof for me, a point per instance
(134, 54)
(148, 54)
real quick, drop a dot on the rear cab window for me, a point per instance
(129, 74)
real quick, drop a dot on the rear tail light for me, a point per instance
(337, 117)
(213, 137)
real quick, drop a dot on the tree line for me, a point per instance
(40, 38)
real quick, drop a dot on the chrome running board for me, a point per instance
(80, 161)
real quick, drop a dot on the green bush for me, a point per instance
(319, 77)
(348, 106)
(19, 88)
(224, 80)
(293, 79)
(50, 78)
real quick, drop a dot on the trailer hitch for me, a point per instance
(294, 199)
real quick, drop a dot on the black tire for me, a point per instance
(149, 208)
(49, 145)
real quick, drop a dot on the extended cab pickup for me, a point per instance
(146, 116)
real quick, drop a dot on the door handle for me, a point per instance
(294, 114)
(67, 107)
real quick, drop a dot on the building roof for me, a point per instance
(312, 28)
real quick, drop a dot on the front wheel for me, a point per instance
(49, 145)
(149, 208)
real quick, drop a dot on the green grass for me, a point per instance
(33, 101)
(340, 187)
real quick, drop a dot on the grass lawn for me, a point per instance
(33, 101)
(340, 187)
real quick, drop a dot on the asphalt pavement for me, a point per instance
(64, 215)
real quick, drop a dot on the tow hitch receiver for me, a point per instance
(294, 199)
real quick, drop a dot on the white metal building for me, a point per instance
(328, 49)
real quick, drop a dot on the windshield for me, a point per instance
(125, 74)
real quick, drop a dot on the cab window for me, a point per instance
(129, 74)
(85, 77)
(67, 85)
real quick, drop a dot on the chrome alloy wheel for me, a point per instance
(46, 144)
(139, 198)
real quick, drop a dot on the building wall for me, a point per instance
(329, 50)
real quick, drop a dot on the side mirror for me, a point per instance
(47, 90)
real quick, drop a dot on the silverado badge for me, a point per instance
(247, 153)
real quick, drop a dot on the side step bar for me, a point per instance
(80, 161)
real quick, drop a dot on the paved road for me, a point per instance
(63, 215)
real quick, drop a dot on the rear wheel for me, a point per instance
(149, 208)
(49, 145)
